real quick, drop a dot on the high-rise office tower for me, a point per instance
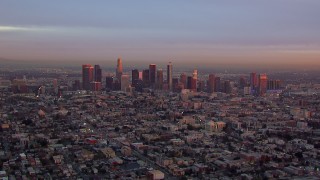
(159, 79)
(75, 86)
(189, 79)
(192, 83)
(217, 84)
(274, 85)
(95, 86)
(146, 77)
(152, 74)
(195, 74)
(227, 87)
(109, 83)
(97, 73)
(140, 75)
(201, 85)
(179, 87)
(139, 85)
(263, 83)
(87, 76)
(125, 82)
(134, 77)
(117, 84)
(119, 69)
(183, 80)
(175, 82)
(253, 83)
(169, 76)
(211, 83)
(20, 86)
(55, 86)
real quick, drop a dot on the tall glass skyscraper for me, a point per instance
(169, 76)
(119, 69)
(152, 74)
(159, 79)
(253, 83)
(97, 73)
(134, 77)
(87, 76)
(211, 82)
(263, 84)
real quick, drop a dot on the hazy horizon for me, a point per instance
(110, 66)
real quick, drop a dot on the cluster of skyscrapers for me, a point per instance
(91, 77)
(148, 78)
(258, 84)
(153, 78)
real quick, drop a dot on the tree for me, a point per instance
(43, 143)
(183, 178)
(190, 127)
(299, 155)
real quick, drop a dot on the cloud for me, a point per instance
(43, 29)
(99, 31)
(12, 28)
(25, 29)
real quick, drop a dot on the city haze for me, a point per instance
(269, 34)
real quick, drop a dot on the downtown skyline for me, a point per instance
(181, 89)
(281, 34)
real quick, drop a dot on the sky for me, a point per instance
(269, 33)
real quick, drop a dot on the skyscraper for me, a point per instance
(152, 74)
(195, 77)
(87, 76)
(55, 86)
(119, 69)
(175, 82)
(217, 84)
(169, 76)
(274, 84)
(109, 83)
(75, 86)
(183, 80)
(125, 82)
(192, 83)
(189, 79)
(195, 74)
(146, 77)
(134, 77)
(263, 83)
(117, 84)
(97, 73)
(211, 83)
(95, 86)
(227, 87)
(159, 79)
(253, 83)
(201, 85)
